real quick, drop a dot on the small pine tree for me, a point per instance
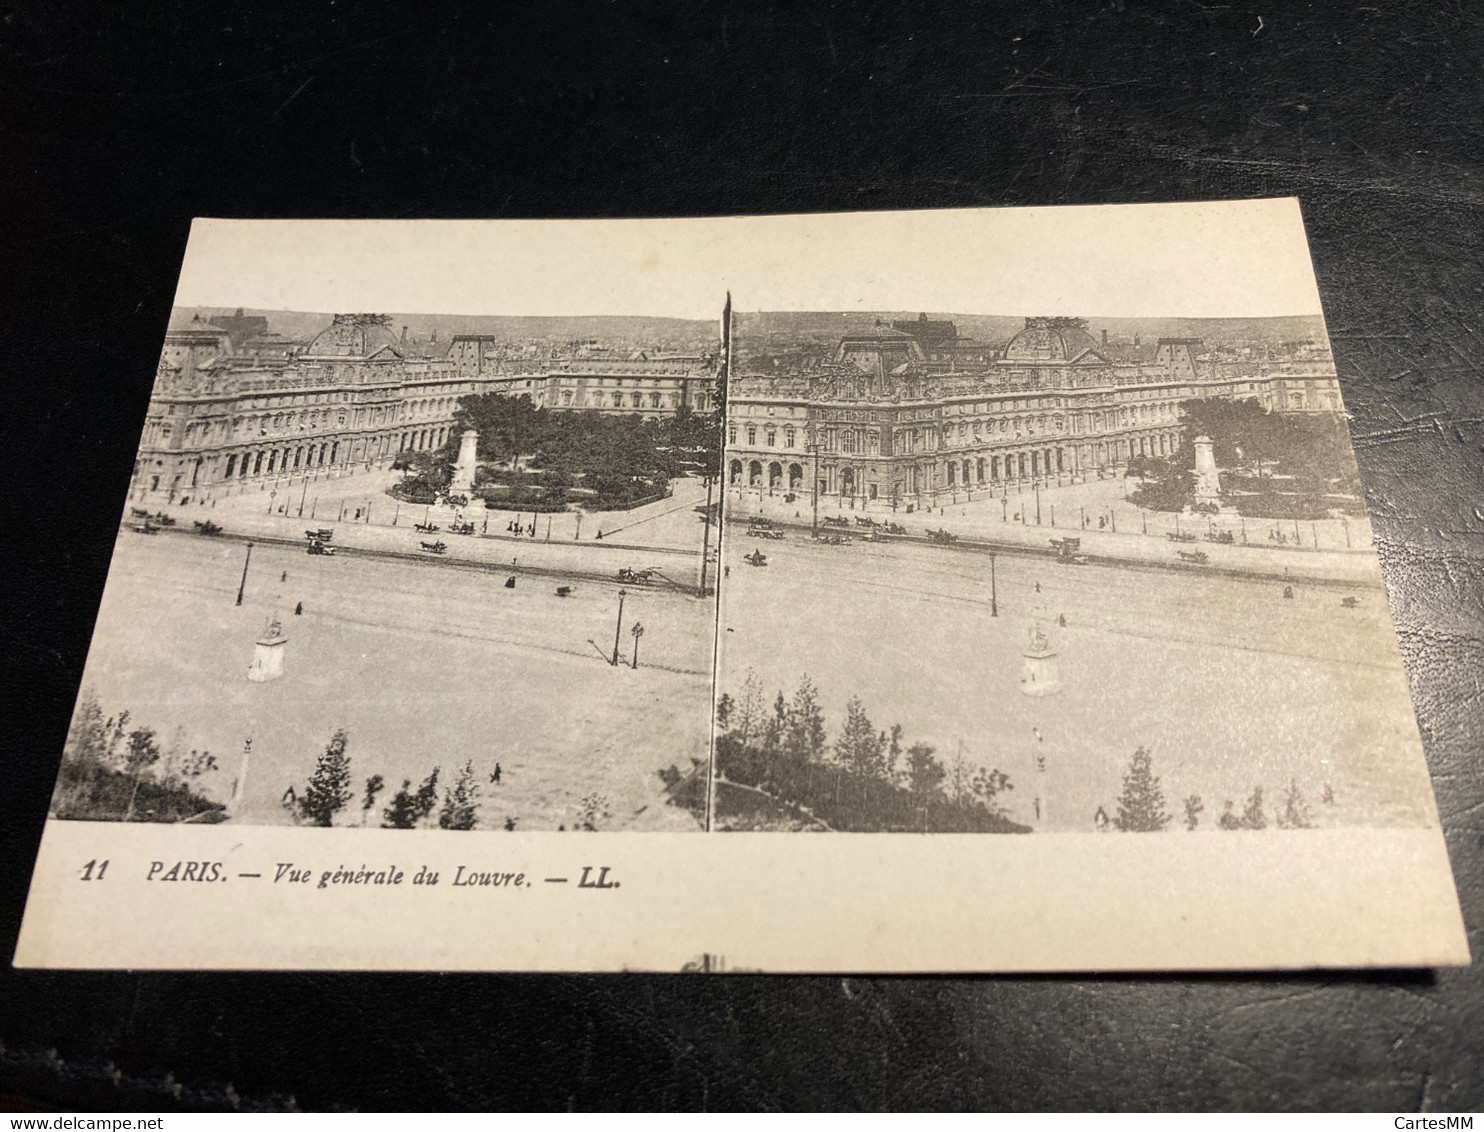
(804, 736)
(1194, 807)
(459, 806)
(427, 796)
(776, 727)
(1252, 815)
(401, 811)
(374, 786)
(724, 709)
(1141, 806)
(87, 737)
(748, 714)
(329, 787)
(1295, 814)
(859, 747)
(1228, 818)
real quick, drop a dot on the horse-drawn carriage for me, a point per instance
(756, 558)
(941, 536)
(426, 528)
(635, 576)
(865, 521)
(163, 519)
(324, 534)
(207, 527)
(1225, 537)
(830, 538)
(765, 532)
(834, 521)
(434, 547)
(1068, 551)
(1198, 557)
(1180, 536)
(461, 528)
(318, 547)
(894, 529)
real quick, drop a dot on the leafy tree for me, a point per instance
(1252, 815)
(925, 773)
(1141, 806)
(459, 806)
(1194, 807)
(1295, 813)
(893, 745)
(1228, 819)
(776, 727)
(804, 734)
(329, 787)
(143, 753)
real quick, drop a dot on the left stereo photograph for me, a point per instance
(420, 534)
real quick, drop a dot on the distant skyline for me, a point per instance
(1225, 259)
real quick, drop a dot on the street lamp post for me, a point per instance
(637, 631)
(994, 602)
(705, 555)
(814, 522)
(618, 627)
(242, 585)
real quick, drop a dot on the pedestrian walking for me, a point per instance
(299, 609)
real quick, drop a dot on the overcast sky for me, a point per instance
(1220, 259)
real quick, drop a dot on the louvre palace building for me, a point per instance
(235, 405)
(914, 414)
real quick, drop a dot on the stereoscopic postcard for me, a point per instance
(979, 590)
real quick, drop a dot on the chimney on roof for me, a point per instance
(1105, 337)
(1136, 339)
(404, 333)
(435, 335)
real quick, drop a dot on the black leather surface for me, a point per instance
(119, 124)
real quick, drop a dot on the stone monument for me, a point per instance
(267, 657)
(1207, 478)
(463, 471)
(1039, 676)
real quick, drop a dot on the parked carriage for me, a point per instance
(894, 529)
(765, 532)
(831, 539)
(207, 527)
(317, 547)
(324, 534)
(139, 512)
(941, 535)
(864, 521)
(145, 528)
(1221, 537)
(163, 519)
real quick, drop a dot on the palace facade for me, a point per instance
(653, 385)
(913, 414)
(225, 412)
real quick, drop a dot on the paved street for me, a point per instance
(422, 665)
(1227, 682)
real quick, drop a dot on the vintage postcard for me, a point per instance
(519, 595)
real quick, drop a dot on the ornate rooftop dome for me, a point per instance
(1050, 340)
(353, 336)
